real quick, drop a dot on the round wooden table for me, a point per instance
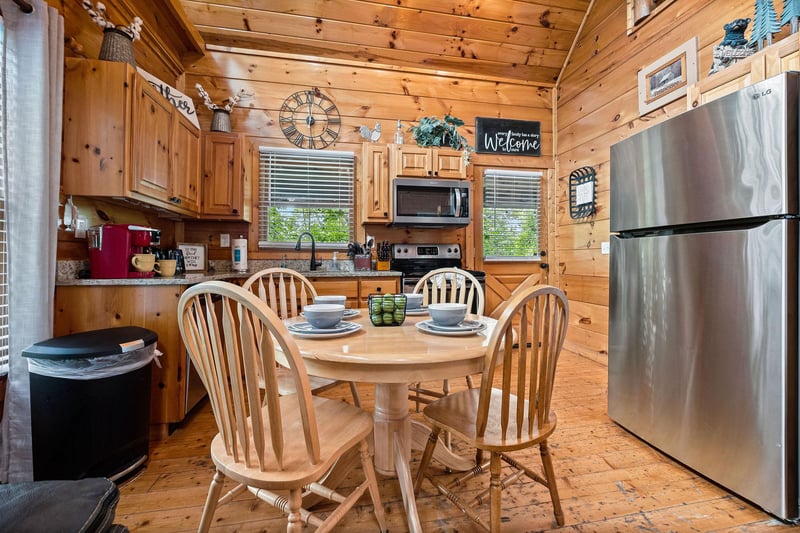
(391, 357)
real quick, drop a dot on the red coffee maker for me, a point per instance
(111, 247)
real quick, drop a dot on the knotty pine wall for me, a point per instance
(597, 106)
(364, 95)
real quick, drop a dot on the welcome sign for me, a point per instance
(511, 137)
(183, 103)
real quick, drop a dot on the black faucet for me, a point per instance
(314, 262)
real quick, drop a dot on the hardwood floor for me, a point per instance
(608, 480)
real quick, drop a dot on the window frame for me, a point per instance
(262, 228)
(538, 175)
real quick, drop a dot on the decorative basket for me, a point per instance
(117, 46)
(387, 309)
(221, 121)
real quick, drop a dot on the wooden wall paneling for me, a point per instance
(159, 52)
(597, 107)
(287, 70)
(588, 289)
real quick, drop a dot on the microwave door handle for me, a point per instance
(458, 202)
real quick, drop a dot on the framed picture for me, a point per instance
(668, 78)
(195, 257)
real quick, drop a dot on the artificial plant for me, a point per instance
(433, 131)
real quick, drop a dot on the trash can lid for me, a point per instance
(94, 343)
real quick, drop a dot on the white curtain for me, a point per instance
(32, 75)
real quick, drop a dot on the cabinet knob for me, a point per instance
(235, 211)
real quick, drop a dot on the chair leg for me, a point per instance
(495, 492)
(295, 523)
(369, 473)
(426, 457)
(550, 474)
(354, 392)
(211, 501)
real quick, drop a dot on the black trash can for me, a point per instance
(90, 403)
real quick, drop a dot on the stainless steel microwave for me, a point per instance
(426, 202)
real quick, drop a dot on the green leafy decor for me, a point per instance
(433, 131)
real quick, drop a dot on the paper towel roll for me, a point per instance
(239, 254)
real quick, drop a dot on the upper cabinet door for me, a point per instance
(375, 194)
(223, 176)
(186, 165)
(151, 140)
(412, 160)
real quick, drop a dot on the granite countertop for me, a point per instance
(67, 274)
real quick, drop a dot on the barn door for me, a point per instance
(506, 247)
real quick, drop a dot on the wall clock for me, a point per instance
(309, 119)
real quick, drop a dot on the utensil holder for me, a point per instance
(386, 309)
(362, 262)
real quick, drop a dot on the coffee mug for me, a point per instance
(143, 262)
(166, 267)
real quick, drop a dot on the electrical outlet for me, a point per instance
(605, 247)
(224, 240)
(81, 225)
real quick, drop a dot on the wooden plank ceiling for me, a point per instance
(526, 40)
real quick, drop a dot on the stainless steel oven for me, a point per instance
(416, 260)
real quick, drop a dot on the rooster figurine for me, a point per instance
(371, 135)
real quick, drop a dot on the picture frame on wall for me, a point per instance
(668, 78)
(195, 256)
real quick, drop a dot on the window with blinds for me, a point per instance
(511, 214)
(3, 229)
(305, 190)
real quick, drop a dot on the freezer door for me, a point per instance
(703, 354)
(735, 157)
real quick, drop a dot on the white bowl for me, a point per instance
(331, 299)
(447, 314)
(323, 316)
(413, 300)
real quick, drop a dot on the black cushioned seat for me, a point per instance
(68, 506)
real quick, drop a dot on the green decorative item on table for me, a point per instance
(387, 309)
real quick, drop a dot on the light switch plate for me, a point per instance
(224, 240)
(605, 247)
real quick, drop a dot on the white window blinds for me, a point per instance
(305, 190)
(511, 214)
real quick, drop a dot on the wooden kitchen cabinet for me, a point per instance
(375, 192)
(357, 289)
(225, 177)
(154, 307)
(771, 61)
(369, 286)
(123, 140)
(345, 286)
(416, 161)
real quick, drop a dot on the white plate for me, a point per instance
(306, 330)
(427, 326)
(417, 312)
(348, 313)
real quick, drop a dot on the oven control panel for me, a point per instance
(426, 251)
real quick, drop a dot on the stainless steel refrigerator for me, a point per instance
(703, 319)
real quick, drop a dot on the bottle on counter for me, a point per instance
(398, 134)
(239, 254)
(283, 261)
(335, 262)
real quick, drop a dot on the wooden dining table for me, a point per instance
(392, 357)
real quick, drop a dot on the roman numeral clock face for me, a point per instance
(309, 119)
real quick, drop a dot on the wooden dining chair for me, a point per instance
(287, 292)
(267, 442)
(512, 417)
(446, 285)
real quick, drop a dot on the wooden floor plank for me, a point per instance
(609, 480)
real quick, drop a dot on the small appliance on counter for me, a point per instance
(239, 254)
(112, 246)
